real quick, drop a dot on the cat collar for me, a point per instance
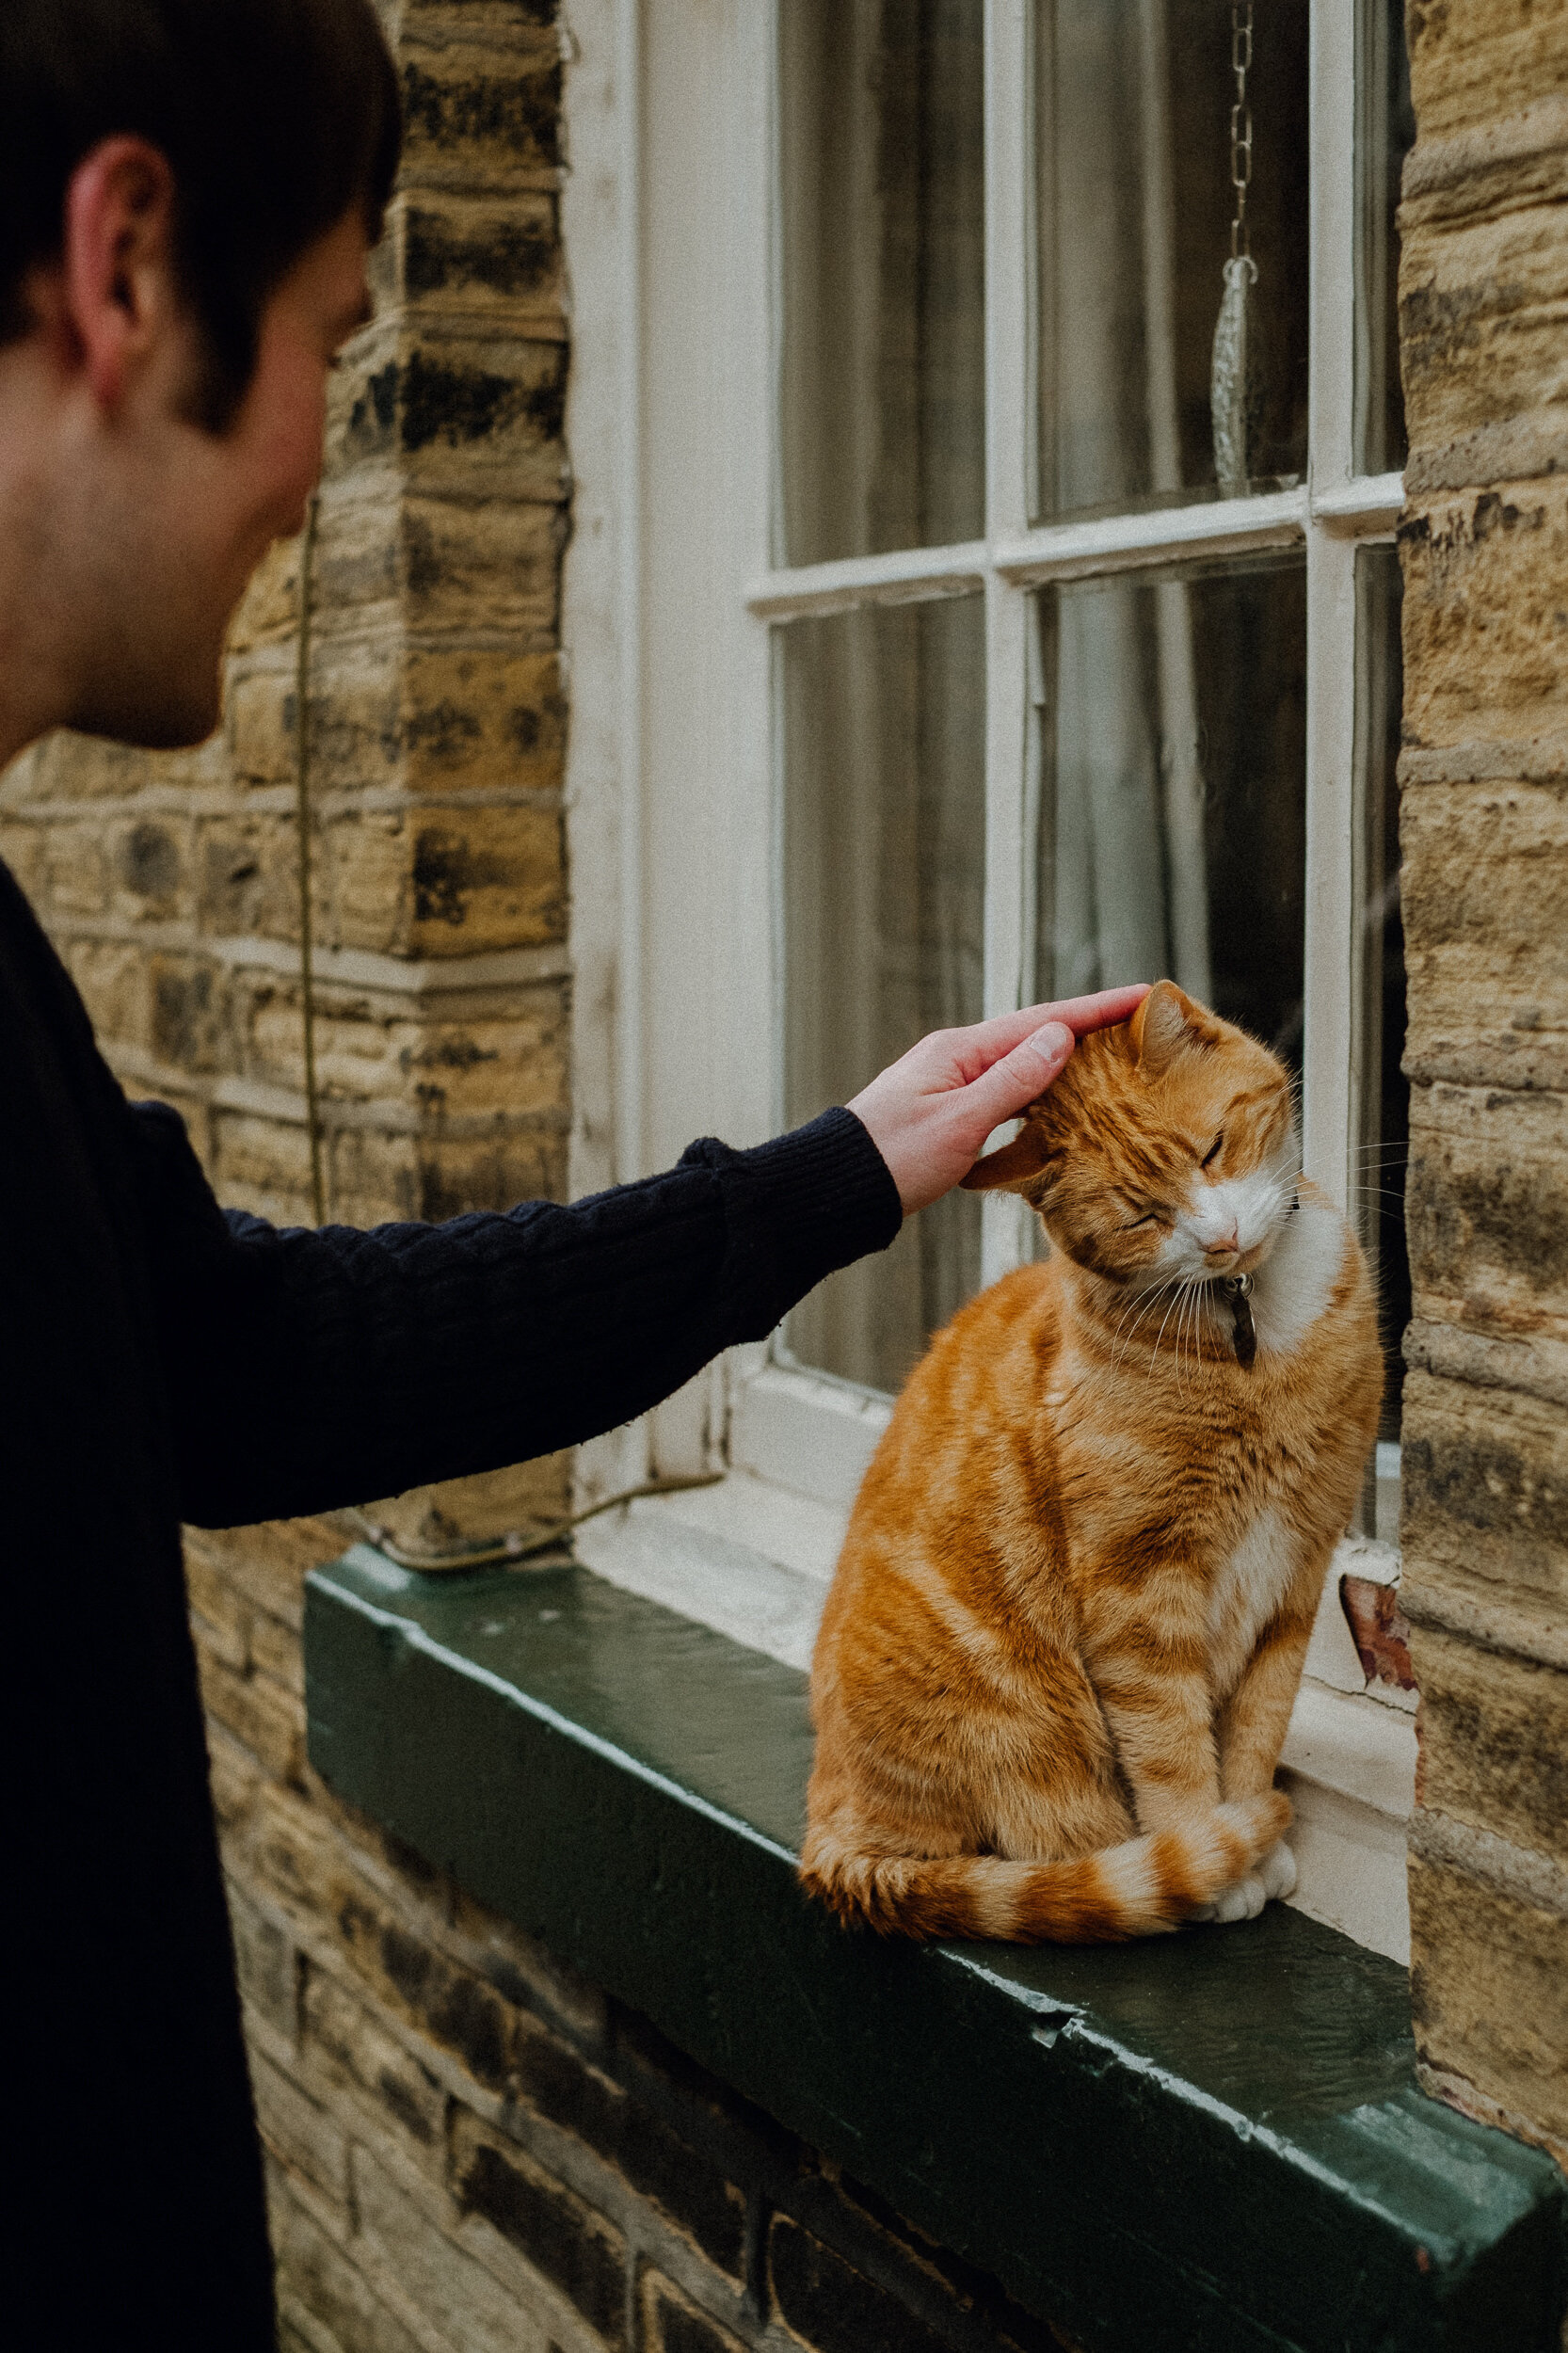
(1235, 1290)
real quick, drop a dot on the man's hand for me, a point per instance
(930, 1112)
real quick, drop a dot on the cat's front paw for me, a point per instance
(1243, 1899)
(1278, 1871)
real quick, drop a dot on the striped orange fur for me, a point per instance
(1056, 1666)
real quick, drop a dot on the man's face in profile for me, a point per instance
(136, 526)
(189, 514)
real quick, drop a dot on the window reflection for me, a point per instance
(1135, 209)
(884, 925)
(882, 187)
(1169, 756)
(1386, 132)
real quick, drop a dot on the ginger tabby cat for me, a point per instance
(1059, 1657)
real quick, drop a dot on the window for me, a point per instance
(980, 635)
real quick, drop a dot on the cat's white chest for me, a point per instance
(1247, 1589)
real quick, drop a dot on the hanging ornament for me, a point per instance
(1235, 385)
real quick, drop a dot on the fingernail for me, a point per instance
(1055, 1041)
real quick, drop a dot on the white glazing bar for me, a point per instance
(1331, 960)
(904, 576)
(1365, 508)
(1213, 528)
(630, 1142)
(1009, 426)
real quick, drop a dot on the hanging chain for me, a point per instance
(1240, 128)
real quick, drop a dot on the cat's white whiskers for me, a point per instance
(1150, 1299)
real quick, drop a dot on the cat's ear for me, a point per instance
(1015, 1164)
(1167, 1024)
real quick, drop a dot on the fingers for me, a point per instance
(1019, 1077)
(981, 1047)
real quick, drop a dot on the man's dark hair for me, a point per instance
(276, 116)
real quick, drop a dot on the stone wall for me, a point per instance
(470, 2150)
(1484, 308)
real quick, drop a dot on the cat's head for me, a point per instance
(1166, 1149)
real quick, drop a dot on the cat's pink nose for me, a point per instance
(1227, 1243)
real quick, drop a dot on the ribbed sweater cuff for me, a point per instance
(830, 1195)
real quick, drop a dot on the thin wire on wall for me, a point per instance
(302, 823)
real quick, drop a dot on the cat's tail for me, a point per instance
(1139, 1889)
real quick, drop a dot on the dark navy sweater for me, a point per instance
(160, 1361)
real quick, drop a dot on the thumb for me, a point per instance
(1026, 1072)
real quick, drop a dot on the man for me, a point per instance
(189, 191)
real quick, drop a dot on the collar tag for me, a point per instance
(1234, 1291)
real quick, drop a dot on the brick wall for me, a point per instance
(1483, 289)
(470, 2149)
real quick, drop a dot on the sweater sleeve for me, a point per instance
(308, 1369)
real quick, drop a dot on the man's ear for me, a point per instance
(1168, 1023)
(118, 284)
(1014, 1165)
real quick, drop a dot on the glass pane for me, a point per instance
(1384, 1139)
(882, 390)
(1136, 200)
(1170, 743)
(883, 715)
(1386, 132)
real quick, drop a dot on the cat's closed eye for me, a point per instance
(1150, 1217)
(1213, 1152)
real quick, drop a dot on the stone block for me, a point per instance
(248, 865)
(115, 981)
(481, 718)
(1485, 617)
(342, 2036)
(480, 120)
(487, 878)
(1485, 1487)
(671, 2323)
(298, 2129)
(149, 868)
(191, 1011)
(268, 1720)
(276, 1652)
(266, 1962)
(1470, 64)
(77, 876)
(234, 1777)
(267, 1563)
(451, 1176)
(490, 257)
(225, 1618)
(1484, 891)
(1489, 1991)
(441, 2286)
(269, 611)
(574, 2248)
(25, 847)
(322, 2292)
(1480, 336)
(559, 2085)
(263, 1165)
(833, 2307)
(1487, 1204)
(1494, 1740)
(492, 567)
(456, 412)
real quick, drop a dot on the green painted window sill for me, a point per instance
(1213, 2141)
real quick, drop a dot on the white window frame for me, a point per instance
(673, 786)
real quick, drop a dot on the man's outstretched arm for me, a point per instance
(310, 1370)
